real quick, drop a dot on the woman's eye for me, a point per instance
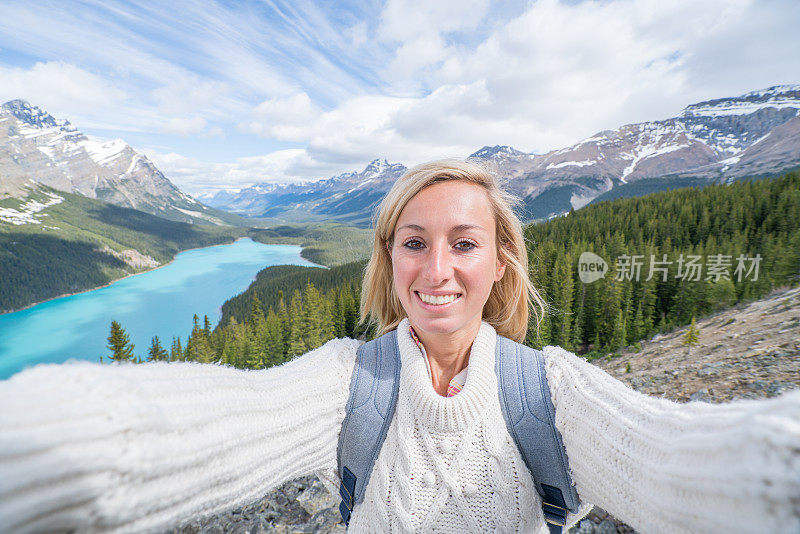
(412, 244)
(465, 245)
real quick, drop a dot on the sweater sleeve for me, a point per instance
(663, 466)
(139, 448)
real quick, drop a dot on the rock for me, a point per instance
(607, 526)
(316, 498)
(711, 369)
(584, 527)
(597, 514)
(302, 505)
(776, 388)
(700, 395)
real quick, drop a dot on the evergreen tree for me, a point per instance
(637, 325)
(119, 344)
(285, 322)
(562, 321)
(579, 316)
(722, 293)
(206, 326)
(156, 353)
(297, 334)
(176, 351)
(350, 312)
(200, 350)
(618, 334)
(259, 354)
(691, 337)
(539, 337)
(312, 313)
(337, 311)
(230, 351)
(274, 339)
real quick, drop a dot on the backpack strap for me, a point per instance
(530, 416)
(370, 407)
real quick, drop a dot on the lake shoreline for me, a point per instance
(114, 281)
(160, 304)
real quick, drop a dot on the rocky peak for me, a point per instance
(380, 168)
(31, 115)
(778, 96)
(376, 166)
(497, 151)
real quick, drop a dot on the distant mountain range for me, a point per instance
(753, 135)
(347, 197)
(37, 149)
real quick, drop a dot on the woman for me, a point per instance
(130, 448)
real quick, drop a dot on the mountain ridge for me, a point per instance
(713, 141)
(36, 148)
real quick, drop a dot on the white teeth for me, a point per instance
(437, 300)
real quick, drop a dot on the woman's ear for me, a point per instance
(501, 269)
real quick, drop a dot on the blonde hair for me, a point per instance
(507, 308)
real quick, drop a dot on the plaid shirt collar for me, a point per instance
(456, 383)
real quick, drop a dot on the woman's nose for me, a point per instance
(439, 266)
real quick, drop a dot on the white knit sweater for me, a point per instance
(132, 448)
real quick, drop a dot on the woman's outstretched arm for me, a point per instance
(662, 466)
(131, 448)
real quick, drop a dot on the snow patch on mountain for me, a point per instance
(775, 89)
(737, 108)
(29, 212)
(645, 152)
(190, 212)
(104, 151)
(570, 164)
(778, 97)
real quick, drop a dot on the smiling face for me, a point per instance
(444, 257)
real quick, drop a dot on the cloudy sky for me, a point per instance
(225, 94)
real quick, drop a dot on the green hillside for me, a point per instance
(78, 245)
(81, 243)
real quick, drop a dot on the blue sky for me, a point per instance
(225, 94)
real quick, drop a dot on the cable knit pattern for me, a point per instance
(448, 464)
(139, 448)
(662, 466)
(133, 448)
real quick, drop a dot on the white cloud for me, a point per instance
(186, 94)
(197, 177)
(420, 26)
(185, 126)
(416, 81)
(357, 34)
(284, 118)
(79, 91)
(91, 100)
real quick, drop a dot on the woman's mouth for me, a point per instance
(437, 301)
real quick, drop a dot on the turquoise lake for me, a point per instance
(159, 303)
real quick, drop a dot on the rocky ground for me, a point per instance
(749, 351)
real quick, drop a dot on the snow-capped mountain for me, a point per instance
(348, 197)
(755, 134)
(36, 148)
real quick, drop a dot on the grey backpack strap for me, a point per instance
(370, 407)
(530, 417)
